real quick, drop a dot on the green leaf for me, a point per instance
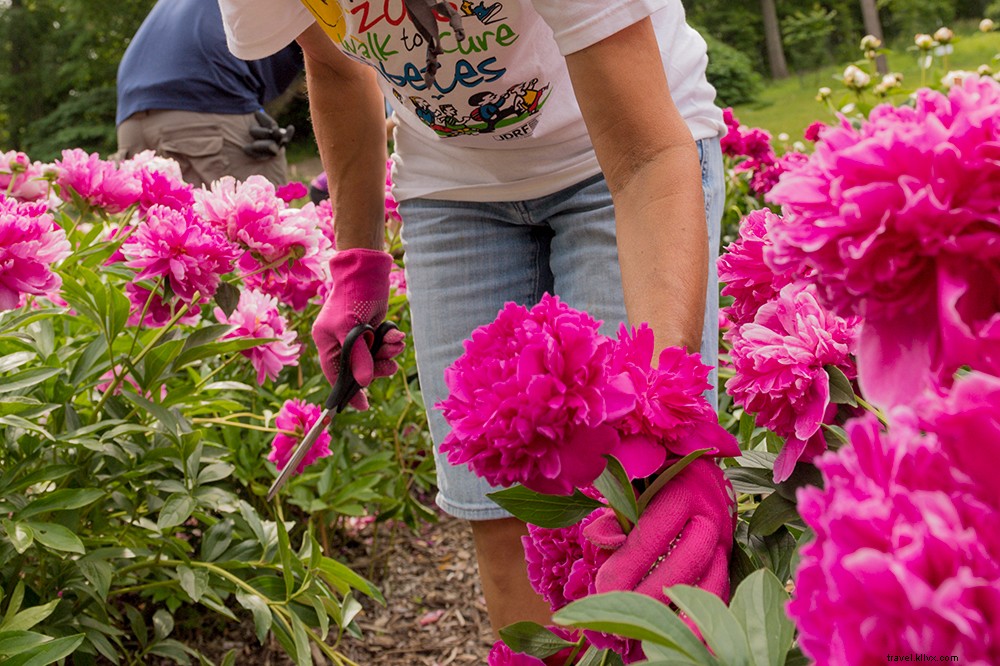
(545, 510)
(98, 573)
(748, 422)
(29, 617)
(718, 626)
(796, 658)
(227, 297)
(534, 639)
(56, 537)
(331, 570)
(637, 616)
(216, 348)
(759, 606)
(16, 404)
(47, 473)
(758, 459)
(253, 521)
(216, 540)
(614, 484)
(773, 512)
(163, 623)
(16, 642)
(286, 555)
(214, 472)
(193, 581)
(595, 657)
(804, 474)
(14, 361)
(157, 360)
(175, 511)
(262, 617)
(666, 475)
(300, 634)
(20, 535)
(61, 500)
(751, 480)
(91, 355)
(27, 378)
(171, 649)
(841, 391)
(171, 422)
(47, 653)
(207, 334)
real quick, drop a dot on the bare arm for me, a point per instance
(349, 121)
(651, 165)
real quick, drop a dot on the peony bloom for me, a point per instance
(906, 557)
(672, 417)
(900, 218)
(161, 188)
(815, 131)
(562, 564)
(157, 311)
(99, 183)
(292, 191)
(749, 280)
(30, 242)
(530, 398)
(294, 420)
(295, 267)
(22, 179)
(779, 362)
(392, 216)
(397, 280)
(732, 142)
(149, 160)
(172, 244)
(257, 316)
(767, 174)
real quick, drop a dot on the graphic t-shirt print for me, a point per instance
(473, 93)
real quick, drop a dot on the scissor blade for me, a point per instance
(300, 452)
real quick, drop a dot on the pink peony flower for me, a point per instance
(22, 179)
(906, 557)
(671, 417)
(149, 160)
(158, 312)
(397, 280)
(749, 280)
(392, 216)
(768, 173)
(160, 188)
(247, 212)
(191, 255)
(779, 361)
(99, 183)
(901, 220)
(297, 416)
(292, 191)
(30, 242)
(501, 655)
(257, 316)
(815, 131)
(530, 399)
(307, 253)
(732, 141)
(562, 564)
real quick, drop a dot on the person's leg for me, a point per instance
(463, 263)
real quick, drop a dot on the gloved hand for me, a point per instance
(684, 536)
(269, 139)
(360, 295)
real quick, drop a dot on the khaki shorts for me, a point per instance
(206, 145)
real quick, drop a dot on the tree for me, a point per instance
(772, 37)
(873, 26)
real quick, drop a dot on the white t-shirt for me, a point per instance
(504, 89)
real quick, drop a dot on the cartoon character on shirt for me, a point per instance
(489, 109)
(529, 96)
(486, 15)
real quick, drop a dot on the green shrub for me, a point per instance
(731, 73)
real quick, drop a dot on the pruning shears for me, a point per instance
(345, 389)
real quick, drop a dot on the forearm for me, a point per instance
(349, 123)
(663, 247)
(651, 165)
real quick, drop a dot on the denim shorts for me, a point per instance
(465, 260)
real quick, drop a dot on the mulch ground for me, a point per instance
(434, 614)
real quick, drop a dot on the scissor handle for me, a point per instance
(347, 386)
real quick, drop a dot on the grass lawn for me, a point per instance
(790, 105)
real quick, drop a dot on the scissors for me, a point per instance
(345, 389)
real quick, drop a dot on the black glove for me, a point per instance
(269, 139)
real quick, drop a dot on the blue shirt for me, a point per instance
(179, 60)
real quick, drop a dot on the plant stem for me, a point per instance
(872, 408)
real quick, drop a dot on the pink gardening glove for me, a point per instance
(360, 295)
(684, 536)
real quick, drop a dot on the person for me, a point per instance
(182, 93)
(607, 191)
